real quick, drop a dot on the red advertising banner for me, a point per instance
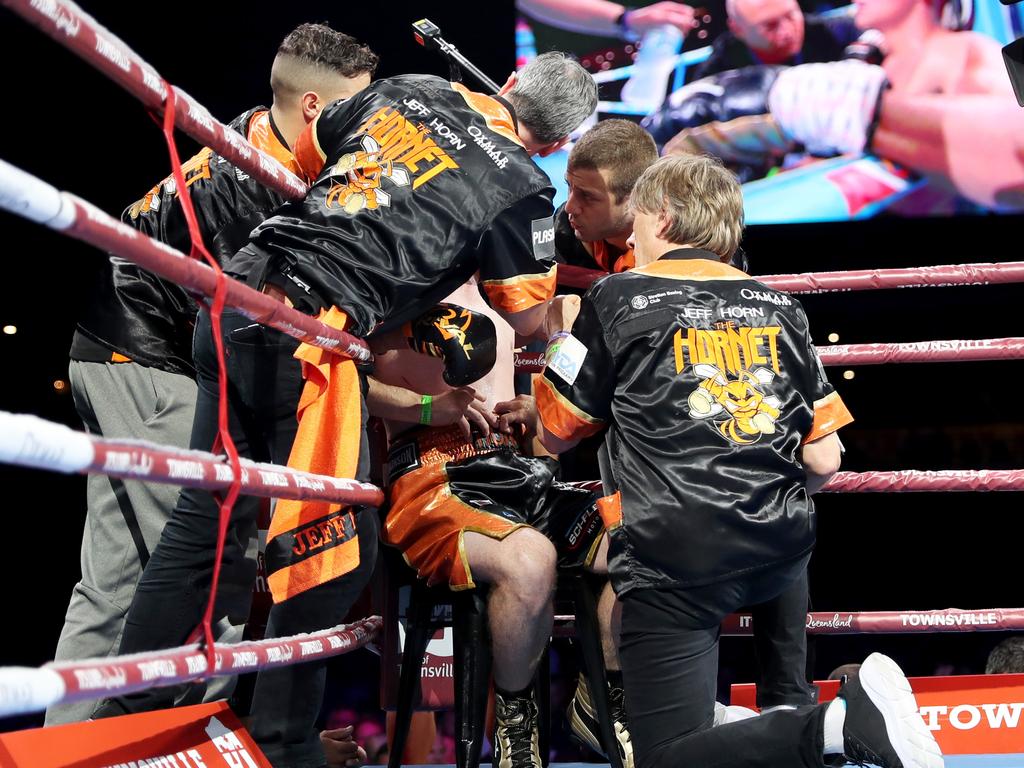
(969, 714)
(203, 736)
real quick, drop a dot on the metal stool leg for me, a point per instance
(472, 645)
(542, 687)
(588, 633)
(419, 628)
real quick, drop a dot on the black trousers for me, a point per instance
(264, 384)
(780, 642)
(669, 652)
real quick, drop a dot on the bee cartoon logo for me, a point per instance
(393, 148)
(361, 175)
(739, 408)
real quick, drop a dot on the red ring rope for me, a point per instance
(854, 280)
(871, 622)
(917, 480)
(944, 351)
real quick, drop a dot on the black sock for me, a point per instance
(614, 678)
(525, 693)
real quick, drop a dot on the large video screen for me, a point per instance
(827, 111)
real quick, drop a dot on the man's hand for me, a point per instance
(542, 321)
(341, 749)
(561, 314)
(640, 20)
(830, 108)
(518, 416)
(464, 407)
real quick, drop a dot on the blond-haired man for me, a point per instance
(721, 423)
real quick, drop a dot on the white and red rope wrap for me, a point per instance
(33, 199)
(33, 442)
(24, 689)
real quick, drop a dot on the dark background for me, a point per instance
(67, 124)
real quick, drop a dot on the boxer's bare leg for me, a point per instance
(521, 571)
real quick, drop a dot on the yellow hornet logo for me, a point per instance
(361, 176)
(446, 324)
(746, 412)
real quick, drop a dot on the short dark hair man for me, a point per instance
(131, 369)
(592, 227)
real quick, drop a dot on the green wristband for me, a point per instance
(426, 408)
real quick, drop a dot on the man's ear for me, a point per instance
(311, 105)
(509, 84)
(553, 146)
(663, 224)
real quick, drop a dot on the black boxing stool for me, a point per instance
(472, 658)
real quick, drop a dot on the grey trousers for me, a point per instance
(123, 400)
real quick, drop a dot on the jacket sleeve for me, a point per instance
(574, 395)
(517, 267)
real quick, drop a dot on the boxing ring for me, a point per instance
(31, 442)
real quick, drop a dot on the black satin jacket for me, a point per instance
(139, 316)
(708, 384)
(417, 184)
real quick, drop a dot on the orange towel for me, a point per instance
(316, 539)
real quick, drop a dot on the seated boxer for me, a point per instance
(469, 508)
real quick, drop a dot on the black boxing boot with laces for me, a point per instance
(516, 730)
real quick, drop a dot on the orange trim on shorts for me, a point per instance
(830, 413)
(428, 524)
(514, 294)
(308, 154)
(494, 113)
(610, 508)
(117, 357)
(561, 417)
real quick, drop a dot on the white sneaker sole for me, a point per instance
(887, 687)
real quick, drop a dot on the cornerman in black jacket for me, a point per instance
(720, 425)
(131, 370)
(417, 184)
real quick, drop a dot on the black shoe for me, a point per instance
(883, 726)
(583, 722)
(516, 732)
